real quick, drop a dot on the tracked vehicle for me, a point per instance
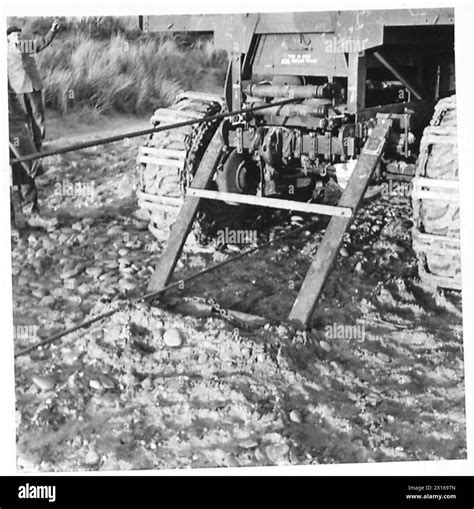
(370, 98)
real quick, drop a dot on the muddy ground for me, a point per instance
(379, 377)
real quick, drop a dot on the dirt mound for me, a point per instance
(119, 397)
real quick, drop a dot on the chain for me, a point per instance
(222, 312)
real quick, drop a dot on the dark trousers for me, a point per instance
(24, 200)
(33, 105)
(24, 197)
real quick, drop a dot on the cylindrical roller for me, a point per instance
(325, 91)
(319, 109)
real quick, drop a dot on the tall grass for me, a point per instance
(123, 71)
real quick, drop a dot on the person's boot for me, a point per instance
(17, 219)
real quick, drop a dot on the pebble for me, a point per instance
(383, 357)
(39, 293)
(91, 458)
(325, 346)
(45, 383)
(127, 285)
(173, 338)
(115, 230)
(203, 358)
(84, 289)
(94, 271)
(295, 416)
(70, 356)
(344, 252)
(140, 225)
(358, 268)
(48, 301)
(95, 384)
(48, 244)
(107, 382)
(371, 399)
(67, 274)
(250, 443)
(296, 220)
(277, 452)
(97, 334)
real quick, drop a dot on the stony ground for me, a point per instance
(379, 377)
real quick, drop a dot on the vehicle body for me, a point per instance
(349, 70)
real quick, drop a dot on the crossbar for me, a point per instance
(261, 201)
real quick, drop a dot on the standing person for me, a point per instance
(25, 79)
(25, 201)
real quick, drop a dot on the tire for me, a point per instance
(436, 207)
(168, 162)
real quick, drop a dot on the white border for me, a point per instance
(464, 59)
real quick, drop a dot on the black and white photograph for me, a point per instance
(235, 239)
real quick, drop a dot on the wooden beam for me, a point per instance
(180, 230)
(356, 81)
(260, 201)
(313, 283)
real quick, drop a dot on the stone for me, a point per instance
(39, 293)
(70, 356)
(91, 458)
(297, 220)
(325, 346)
(48, 244)
(94, 271)
(47, 300)
(88, 221)
(80, 267)
(127, 285)
(97, 334)
(140, 225)
(84, 289)
(344, 252)
(95, 384)
(277, 452)
(107, 382)
(296, 417)
(173, 337)
(250, 443)
(45, 383)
